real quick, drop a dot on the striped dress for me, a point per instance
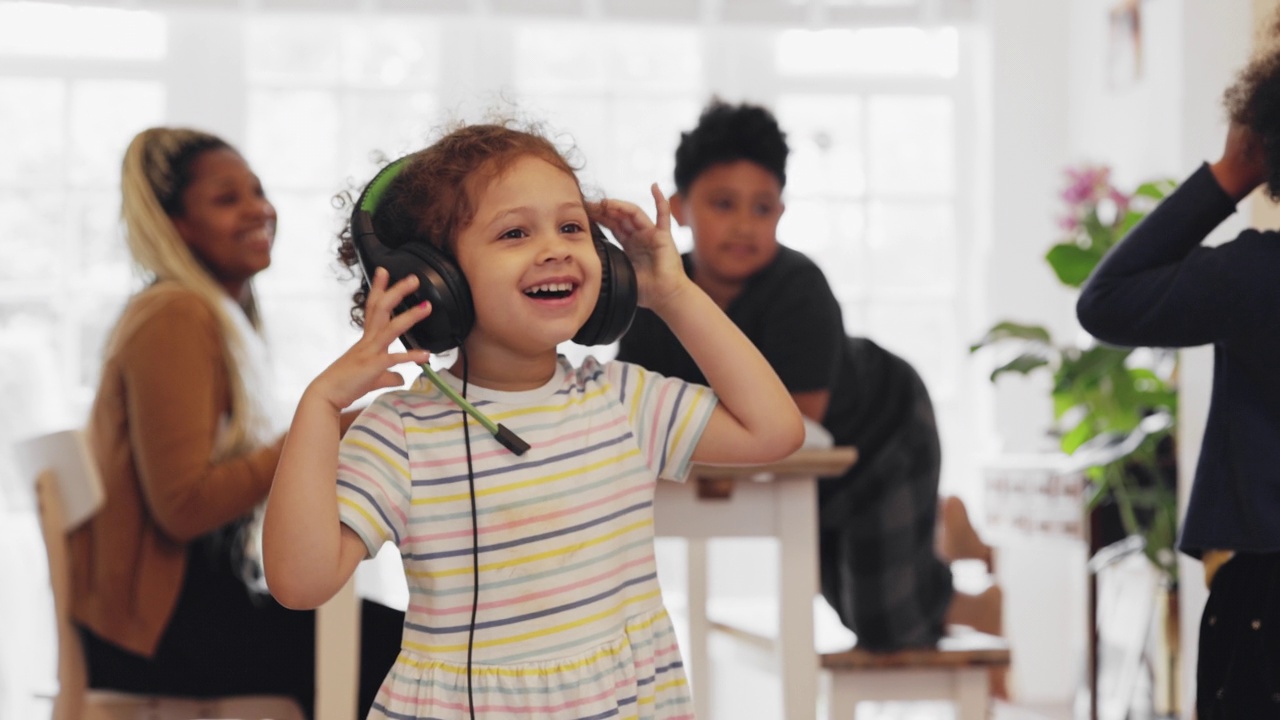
(570, 622)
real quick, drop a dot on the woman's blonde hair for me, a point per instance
(156, 172)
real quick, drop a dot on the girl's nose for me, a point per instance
(553, 247)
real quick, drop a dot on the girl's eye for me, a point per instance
(571, 227)
(512, 234)
(225, 199)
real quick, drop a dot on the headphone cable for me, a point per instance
(475, 536)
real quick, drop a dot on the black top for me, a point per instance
(787, 310)
(1160, 287)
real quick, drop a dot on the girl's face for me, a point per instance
(529, 259)
(226, 219)
(733, 210)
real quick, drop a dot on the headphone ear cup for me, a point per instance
(441, 282)
(616, 306)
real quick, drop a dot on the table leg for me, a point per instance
(696, 655)
(338, 655)
(798, 582)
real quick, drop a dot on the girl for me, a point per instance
(532, 578)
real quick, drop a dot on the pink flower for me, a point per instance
(1087, 184)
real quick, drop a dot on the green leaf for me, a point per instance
(1077, 436)
(1022, 364)
(1156, 189)
(1012, 330)
(1072, 263)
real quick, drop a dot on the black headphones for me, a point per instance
(441, 281)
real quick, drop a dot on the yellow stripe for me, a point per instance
(388, 459)
(374, 523)
(534, 482)
(497, 417)
(684, 422)
(636, 393)
(505, 671)
(535, 633)
(534, 558)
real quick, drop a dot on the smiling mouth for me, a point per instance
(551, 291)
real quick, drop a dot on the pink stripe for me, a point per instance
(490, 529)
(346, 469)
(653, 431)
(423, 609)
(386, 422)
(433, 703)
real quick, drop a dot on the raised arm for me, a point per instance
(756, 420)
(1158, 287)
(308, 555)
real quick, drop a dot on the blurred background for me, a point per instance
(928, 139)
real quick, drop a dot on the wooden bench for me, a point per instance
(959, 670)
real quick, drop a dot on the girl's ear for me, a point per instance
(677, 208)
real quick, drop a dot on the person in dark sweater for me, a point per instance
(1161, 287)
(884, 568)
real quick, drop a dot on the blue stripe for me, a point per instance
(368, 430)
(523, 466)
(376, 506)
(534, 538)
(515, 619)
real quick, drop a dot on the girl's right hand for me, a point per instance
(367, 365)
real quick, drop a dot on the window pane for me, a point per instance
(911, 246)
(832, 235)
(646, 133)
(304, 258)
(379, 126)
(101, 257)
(913, 150)
(391, 53)
(104, 117)
(287, 153)
(50, 30)
(869, 51)
(660, 59)
(824, 133)
(282, 50)
(32, 227)
(34, 111)
(924, 334)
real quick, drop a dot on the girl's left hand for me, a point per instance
(659, 271)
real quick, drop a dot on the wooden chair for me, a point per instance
(958, 669)
(75, 701)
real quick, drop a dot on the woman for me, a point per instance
(162, 584)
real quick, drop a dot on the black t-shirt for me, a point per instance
(788, 311)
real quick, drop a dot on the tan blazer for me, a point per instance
(162, 396)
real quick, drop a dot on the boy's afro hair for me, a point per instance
(726, 133)
(1253, 100)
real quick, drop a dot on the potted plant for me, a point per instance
(1113, 407)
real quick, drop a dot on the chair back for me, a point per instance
(66, 454)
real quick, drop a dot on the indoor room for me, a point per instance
(954, 169)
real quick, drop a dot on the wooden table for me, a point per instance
(779, 500)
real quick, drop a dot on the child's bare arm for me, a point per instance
(307, 553)
(756, 420)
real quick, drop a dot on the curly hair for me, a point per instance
(1253, 100)
(726, 133)
(434, 196)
